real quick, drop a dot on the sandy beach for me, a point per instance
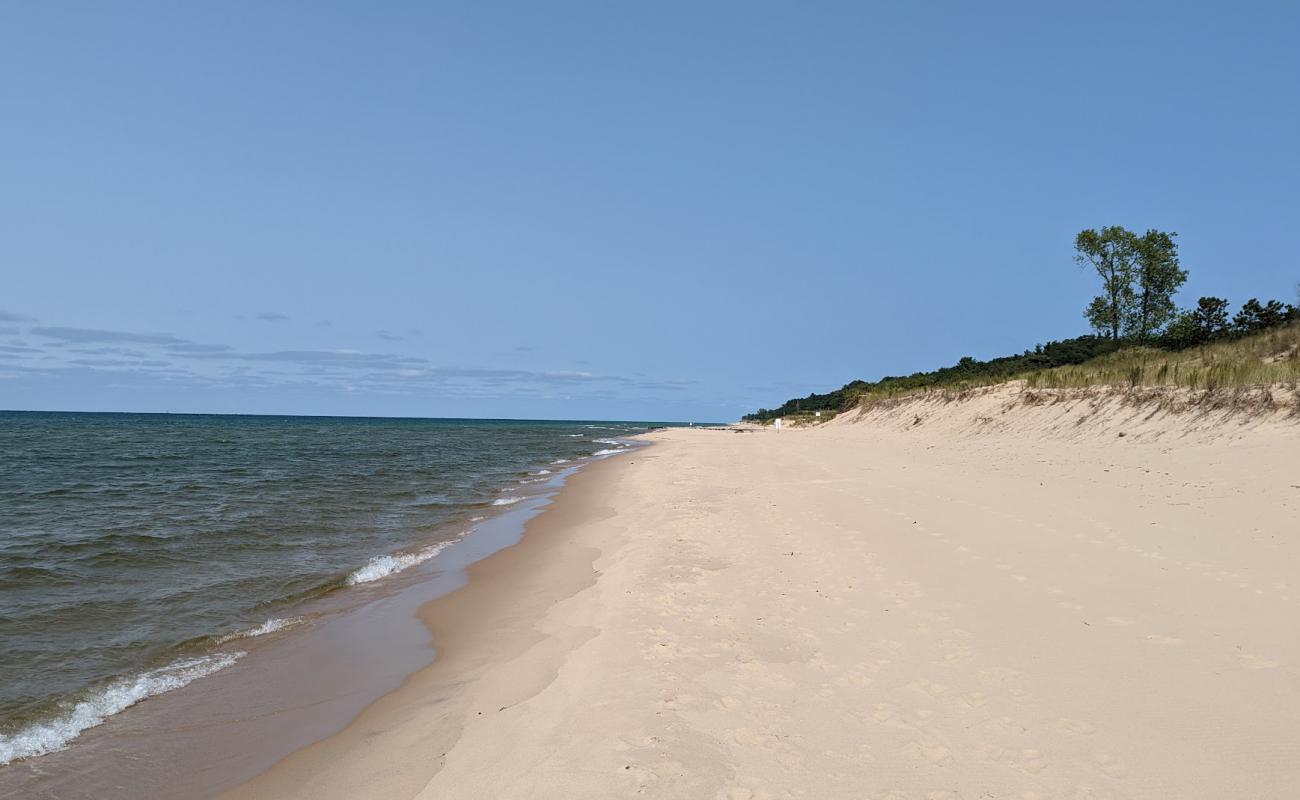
(979, 599)
(723, 401)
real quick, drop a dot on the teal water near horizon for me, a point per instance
(131, 545)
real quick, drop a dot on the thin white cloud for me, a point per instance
(83, 335)
(165, 356)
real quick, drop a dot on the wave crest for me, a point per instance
(383, 566)
(47, 737)
(270, 626)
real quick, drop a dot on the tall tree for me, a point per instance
(1158, 277)
(1112, 252)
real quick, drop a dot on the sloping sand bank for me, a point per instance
(936, 600)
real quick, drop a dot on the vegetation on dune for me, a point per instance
(1142, 338)
(966, 373)
(1268, 358)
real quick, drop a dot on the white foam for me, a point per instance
(610, 441)
(47, 737)
(270, 626)
(560, 461)
(506, 501)
(542, 472)
(610, 452)
(383, 566)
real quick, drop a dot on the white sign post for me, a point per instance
(776, 423)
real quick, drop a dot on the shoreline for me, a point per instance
(473, 627)
(282, 691)
(985, 597)
(1023, 606)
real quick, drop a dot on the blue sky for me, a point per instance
(605, 210)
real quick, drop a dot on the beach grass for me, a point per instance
(1271, 358)
(1249, 365)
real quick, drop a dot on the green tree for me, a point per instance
(1255, 316)
(1158, 277)
(1112, 252)
(1207, 322)
(1211, 314)
(1183, 332)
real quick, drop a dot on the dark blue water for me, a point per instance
(131, 544)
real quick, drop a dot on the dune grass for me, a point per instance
(1236, 372)
(1271, 358)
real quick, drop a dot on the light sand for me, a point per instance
(967, 600)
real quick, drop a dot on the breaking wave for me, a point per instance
(383, 566)
(46, 737)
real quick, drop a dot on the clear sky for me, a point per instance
(606, 209)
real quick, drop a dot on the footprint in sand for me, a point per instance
(1160, 638)
(932, 689)
(975, 699)
(1031, 761)
(934, 753)
(883, 712)
(1110, 765)
(1075, 726)
(747, 738)
(1259, 662)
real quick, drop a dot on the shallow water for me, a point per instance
(132, 546)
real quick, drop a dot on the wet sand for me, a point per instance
(290, 689)
(398, 744)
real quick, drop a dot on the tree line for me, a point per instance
(1140, 276)
(1044, 356)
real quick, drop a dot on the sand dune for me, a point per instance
(934, 600)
